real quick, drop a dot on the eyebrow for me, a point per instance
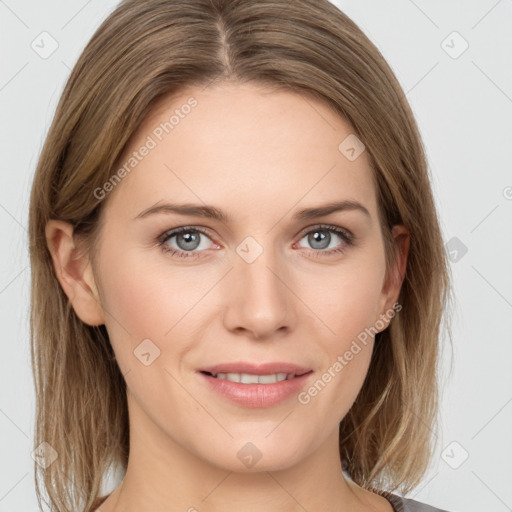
(212, 212)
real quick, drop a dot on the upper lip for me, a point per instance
(256, 369)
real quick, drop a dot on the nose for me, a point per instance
(258, 297)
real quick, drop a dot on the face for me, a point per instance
(184, 292)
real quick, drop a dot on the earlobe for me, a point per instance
(74, 272)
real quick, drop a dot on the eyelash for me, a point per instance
(347, 237)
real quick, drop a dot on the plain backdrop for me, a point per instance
(454, 62)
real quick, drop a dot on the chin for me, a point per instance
(254, 456)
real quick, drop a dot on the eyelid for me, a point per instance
(176, 231)
(327, 227)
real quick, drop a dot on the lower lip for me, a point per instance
(257, 395)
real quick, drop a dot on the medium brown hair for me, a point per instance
(143, 51)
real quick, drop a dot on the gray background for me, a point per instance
(463, 103)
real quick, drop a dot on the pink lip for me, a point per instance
(256, 395)
(256, 369)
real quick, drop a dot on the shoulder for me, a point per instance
(408, 505)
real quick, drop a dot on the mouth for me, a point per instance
(256, 385)
(250, 378)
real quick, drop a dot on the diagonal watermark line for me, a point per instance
(199, 403)
(508, 508)
(493, 287)
(418, 491)
(333, 333)
(499, 1)
(286, 491)
(76, 14)
(419, 417)
(303, 96)
(12, 488)
(14, 76)
(112, 316)
(14, 423)
(428, 72)
(13, 279)
(13, 217)
(198, 301)
(425, 14)
(14, 14)
(216, 487)
(491, 419)
(492, 81)
(484, 218)
(282, 421)
(207, 84)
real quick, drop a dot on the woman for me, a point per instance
(238, 275)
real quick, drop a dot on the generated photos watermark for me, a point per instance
(151, 142)
(342, 360)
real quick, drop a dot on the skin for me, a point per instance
(260, 155)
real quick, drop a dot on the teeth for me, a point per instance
(247, 378)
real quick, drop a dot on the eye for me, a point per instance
(186, 239)
(321, 238)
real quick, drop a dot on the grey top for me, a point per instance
(400, 504)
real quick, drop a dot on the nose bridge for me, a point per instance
(259, 300)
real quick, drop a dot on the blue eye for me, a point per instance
(188, 243)
(320, 238)
(187, 238)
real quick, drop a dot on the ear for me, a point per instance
(395, 276)
(74, 272)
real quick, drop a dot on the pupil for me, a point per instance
(191, 240)
(320, 237)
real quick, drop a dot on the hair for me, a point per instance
(141, 53)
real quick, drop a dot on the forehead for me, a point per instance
(248, 145)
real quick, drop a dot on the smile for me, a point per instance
(248, 378)
(255, 391)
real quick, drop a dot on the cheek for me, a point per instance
(146, 297)
(346, 300)
(134, 303)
